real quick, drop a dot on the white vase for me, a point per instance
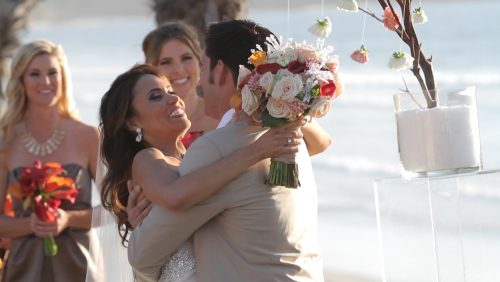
(440, 140)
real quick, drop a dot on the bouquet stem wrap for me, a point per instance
(284, 171)
(50, 246)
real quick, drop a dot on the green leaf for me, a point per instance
(270, 121)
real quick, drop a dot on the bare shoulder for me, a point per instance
(147, 155)
(151, 162)
(85, 131)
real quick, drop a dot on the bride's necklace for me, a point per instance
(45, 148)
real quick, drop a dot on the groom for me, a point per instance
(248, 231)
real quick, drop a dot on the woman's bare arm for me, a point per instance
(316, 138)
(161, 184)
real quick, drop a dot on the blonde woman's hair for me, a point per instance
(15, 94)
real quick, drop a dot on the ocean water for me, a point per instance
(462, 38)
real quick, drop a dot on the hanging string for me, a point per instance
(364, 24)
(288, 20)
(322, 9)
(420, 2)
(402, 27)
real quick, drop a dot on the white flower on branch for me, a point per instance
(400, 60)
(322, 28)
(419, 16)
(347, 5)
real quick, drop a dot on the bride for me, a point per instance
(142, 122)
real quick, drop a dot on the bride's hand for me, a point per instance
(280, 140)
(138, 207)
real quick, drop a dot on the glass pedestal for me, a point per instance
(439, 228)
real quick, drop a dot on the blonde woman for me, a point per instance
(40, 123)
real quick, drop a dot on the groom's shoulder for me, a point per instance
(207, 149)
(223, 135)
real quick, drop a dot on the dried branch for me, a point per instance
(371, 14)
(421, 65)
(407, 91)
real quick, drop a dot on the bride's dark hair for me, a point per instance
(118, 144)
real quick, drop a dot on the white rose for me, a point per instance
(249, 101)
(266, 82)
(320, 107)
(244, 72)
(306, 52)
(278, 108)
(287, 87)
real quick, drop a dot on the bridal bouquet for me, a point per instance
(42, 188)
(290, 80)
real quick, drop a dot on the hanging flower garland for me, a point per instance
(404, 27)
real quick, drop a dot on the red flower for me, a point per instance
(273, 68)
(190, 137)
(328, 89)
(296, 67)
(8, 207)
(46, 208)
(42, 189)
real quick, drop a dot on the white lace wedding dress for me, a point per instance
(180, 266)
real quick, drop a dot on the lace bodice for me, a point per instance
(180, 266)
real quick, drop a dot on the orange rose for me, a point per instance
(257, 58)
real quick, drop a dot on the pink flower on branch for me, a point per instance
(360, 55)
(391, 20)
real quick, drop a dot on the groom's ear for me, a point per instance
(220, 73)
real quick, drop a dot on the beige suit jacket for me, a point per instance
(248, 231)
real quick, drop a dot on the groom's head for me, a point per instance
(228, 45)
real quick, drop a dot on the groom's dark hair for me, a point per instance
(231, 42)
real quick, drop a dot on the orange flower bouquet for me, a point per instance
(42, 188)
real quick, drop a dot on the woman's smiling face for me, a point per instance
(158, 111)
(180, 65)
(42, 80)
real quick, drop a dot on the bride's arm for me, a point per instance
(316, 138)
(162, 186)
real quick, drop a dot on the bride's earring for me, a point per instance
(138, 138)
